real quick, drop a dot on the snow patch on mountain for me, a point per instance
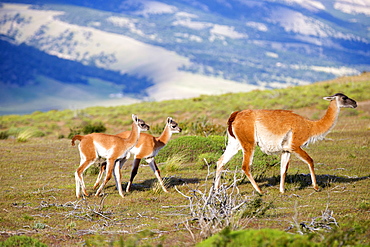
(257, 25)
(272, 54)
(225, 31)
(307, 4)
(186, 20)
(296, 22)
(183, 85)
(277, 82)
(23, 30)
(152, 7)
(115, 52)
(353, 6)
(341, 71)
(216, 31)
(182, 37)
(129, 23)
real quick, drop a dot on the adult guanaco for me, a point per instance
(146, 148)
(111, 147)
(278, 131)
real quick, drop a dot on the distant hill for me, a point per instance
(203, 115)
(73, 54)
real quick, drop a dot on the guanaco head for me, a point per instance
(174, 127)
(140, 123)
(342, 100)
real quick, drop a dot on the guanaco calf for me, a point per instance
(146, 148)
(111, 147)
(277, 131)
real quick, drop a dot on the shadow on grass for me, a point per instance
(169, 181)
(301, 181)
(304, 180)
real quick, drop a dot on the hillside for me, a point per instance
(38, 185)
(204, 110)
(73, 54)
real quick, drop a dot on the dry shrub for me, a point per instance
(213, 209)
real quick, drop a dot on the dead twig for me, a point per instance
(214, 209)
(325, 222)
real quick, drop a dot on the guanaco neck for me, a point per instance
(328, 121)
(165, 136)
(134, 135)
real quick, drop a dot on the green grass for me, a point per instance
(258, 238)
(204, 115)
(38, 189)
(22, 241)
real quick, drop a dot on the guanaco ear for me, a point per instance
(169, 119)
(134, 118)
(329, 98)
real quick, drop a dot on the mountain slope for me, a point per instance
(156, 50)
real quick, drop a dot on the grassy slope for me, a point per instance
(306, 100)
(37, 182)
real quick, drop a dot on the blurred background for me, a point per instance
(74, 54)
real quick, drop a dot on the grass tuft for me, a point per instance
(25, 134)
(22, 241)
(157, 188)
(173, 163)
(4, 135)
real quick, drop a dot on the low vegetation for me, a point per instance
(38, 200)
(205, 115)
(258, 238)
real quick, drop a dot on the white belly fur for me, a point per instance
(271, 143)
